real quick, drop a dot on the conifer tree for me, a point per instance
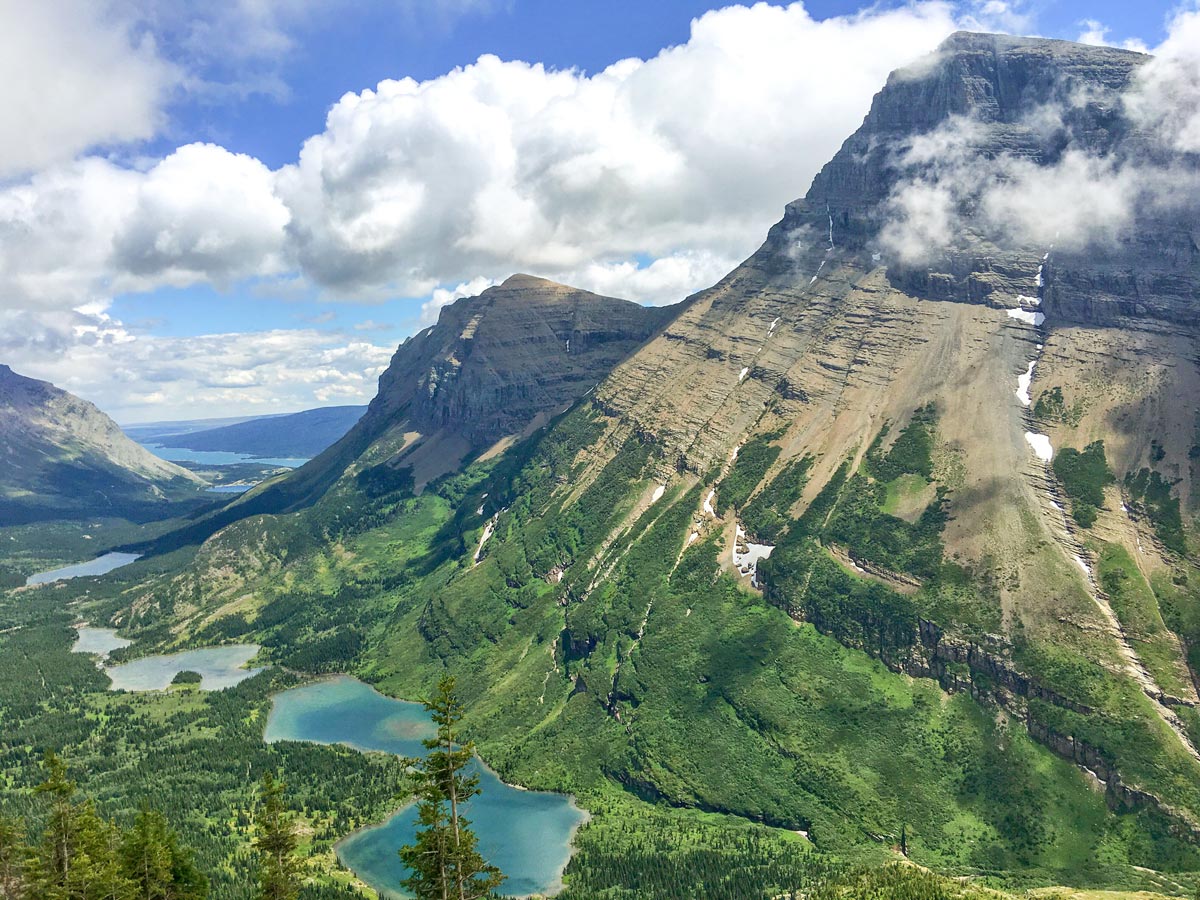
(79, 855)
(158, 866)
(445, 863)
(276, 844)
(14, 859)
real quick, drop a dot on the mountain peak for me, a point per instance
(521, 280)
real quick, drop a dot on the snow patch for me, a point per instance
(488, 530)
(1023, 382)
(658, 492)
(746, 555)
(708, 507)
(1041, 445)
(1079, 562)
(693, 537)
(1029, 318)
(742, 374)
(1029, 301)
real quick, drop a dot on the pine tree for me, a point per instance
(78, 858)
(14, 859)
(156, 864)
(276, 844)
(444, 860)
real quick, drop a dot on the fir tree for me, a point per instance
(158, 866)
(78, 858)
(444, 860)
(14, 858)
(276, 844)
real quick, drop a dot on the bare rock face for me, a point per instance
(829, 333)
(60, 454)
(493, 363)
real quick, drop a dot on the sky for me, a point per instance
(217, 209)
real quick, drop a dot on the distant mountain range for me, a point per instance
(60, 456)
(296, 435)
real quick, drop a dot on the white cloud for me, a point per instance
(1095, 32)
(1167, 95)
(506, 166)
(79, 232)
(494, 168)
(666, 280)
(74, 76)
(1007, 16)
(209, 375)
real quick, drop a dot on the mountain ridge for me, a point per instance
(65, 457)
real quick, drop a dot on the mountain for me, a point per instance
(492, 369)
(298, 435)
(63, 457)
(887, 538)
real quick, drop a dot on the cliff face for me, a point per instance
(63, 455)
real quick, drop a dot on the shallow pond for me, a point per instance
(526, 833)
(219, 667)
(101, 565)
(98, 641)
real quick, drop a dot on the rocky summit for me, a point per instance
(498, 364)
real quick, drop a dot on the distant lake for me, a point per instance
(219, 457)
(98, 641)
(101, 565)
(230, 488)
(526, 833)
(219, 668)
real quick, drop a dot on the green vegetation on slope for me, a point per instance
(1084, 475)
(1151, 493)
(753, 459)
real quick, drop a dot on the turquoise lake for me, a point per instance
(101, 565)
(219, 667)
(526, 833)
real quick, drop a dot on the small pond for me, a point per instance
(526, 833)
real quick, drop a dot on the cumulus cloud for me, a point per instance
(75, 75)
(493, 168)
(137, 377)
(79, 232)
(504, 166)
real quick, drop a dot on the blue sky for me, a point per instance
(157, 298)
